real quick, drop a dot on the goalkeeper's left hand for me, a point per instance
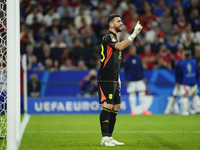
(136, 31)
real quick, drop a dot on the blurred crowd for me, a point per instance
(66, 34)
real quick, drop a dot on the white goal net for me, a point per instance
(3, 75)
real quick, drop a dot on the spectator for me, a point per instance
(155, 30)
(49, 65)
(67, 18)
(58, 42)
(87, 32)
(197, 34)
(46, 54)
(55, 23)
(77, 49)
(33, 65)
(188, 30)
(147, 18)
(155, 46)
(50, 16)
(81, 65)
(197, 27)
(160, 8)
(34, 86)
(140, 46)
(29, 5)
(49, 3)
(178, 54)
(100, 28)
(88, 49)
(166, 26)
(128, 16)
(67, 65)
(34, 13)
(66, 54)
(104, 8)
(54, 33)
(41, 34)
(29, 52)
(164, 58)
(123, 6)
(181, 23)
(69, 34)
(41, 43)
(26, 36)
(194, 5)
(194, 20)
(178, 11)
(188, 43)
(64, 6)
(88, 84)
(84, 8)
(172, 44)
(36, 25)
(78, 20)
(148, 58)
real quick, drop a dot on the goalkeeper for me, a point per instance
(108, 76)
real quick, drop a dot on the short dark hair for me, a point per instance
(111, 17)
(187, 53)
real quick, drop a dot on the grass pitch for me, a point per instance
(82, 132)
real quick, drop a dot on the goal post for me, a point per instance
(13, 74)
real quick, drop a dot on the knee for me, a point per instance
(116, 107)
(108, 106)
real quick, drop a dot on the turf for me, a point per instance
(81, 132)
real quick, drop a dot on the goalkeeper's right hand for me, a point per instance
(136, 31)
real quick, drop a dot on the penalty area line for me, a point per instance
(115, 132)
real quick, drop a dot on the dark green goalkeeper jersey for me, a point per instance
(110, 58)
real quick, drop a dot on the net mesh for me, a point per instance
(3, 75)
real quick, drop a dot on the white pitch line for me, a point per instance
(114, 131)
(23, 126)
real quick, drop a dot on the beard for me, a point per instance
(118, 29)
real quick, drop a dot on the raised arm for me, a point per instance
(125, 43)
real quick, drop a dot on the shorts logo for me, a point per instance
(110, 96)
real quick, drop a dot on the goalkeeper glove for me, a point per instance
(136, 31)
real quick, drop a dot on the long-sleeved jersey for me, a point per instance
(188, 72)
(133, 68)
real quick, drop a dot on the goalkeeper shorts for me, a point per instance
(109, 92)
